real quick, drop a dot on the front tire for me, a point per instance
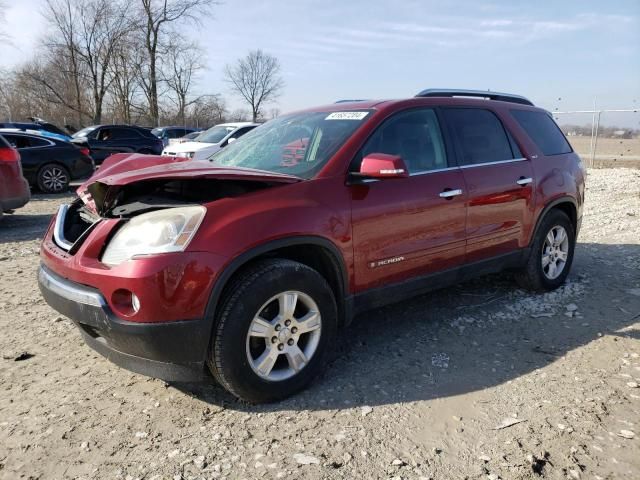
(275, 325)
(551, 254)
(53, 178)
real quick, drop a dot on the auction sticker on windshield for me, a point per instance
(347, 116)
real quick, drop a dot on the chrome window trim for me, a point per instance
(417, 174)
(28, 135)
(448, 169)
(435, 170)
(473, 165)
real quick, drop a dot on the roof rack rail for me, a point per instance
(503, 97)
(351, 101)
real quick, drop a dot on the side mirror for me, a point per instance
(228, 141)
(382, 165)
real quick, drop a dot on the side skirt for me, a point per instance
(397, 292)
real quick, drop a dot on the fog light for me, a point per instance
(125, 302)
(135, 302)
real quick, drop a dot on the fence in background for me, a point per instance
(618, 148)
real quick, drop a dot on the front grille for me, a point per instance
(73, 224)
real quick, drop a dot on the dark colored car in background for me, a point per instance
(253, 262)
(44, 128)
(48, 163)
(105, 140)
(167, 133)
(14, 189)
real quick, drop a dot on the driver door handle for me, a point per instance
(450, 193)
(522, 181)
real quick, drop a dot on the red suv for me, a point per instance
(14, 188)
(251, 264)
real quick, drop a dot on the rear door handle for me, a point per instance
(522, 181)
(449, 193)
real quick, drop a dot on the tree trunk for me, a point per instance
(153, 91)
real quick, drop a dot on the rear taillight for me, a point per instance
(9, 155)
(85, 151)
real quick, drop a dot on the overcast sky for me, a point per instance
(333, 49)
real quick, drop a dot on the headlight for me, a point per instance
(185, 154)
(162, 231)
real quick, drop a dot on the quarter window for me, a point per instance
(38, 142)
(415, 136)
(543, 131)
(480, 136)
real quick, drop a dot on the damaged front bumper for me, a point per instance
(172, 351)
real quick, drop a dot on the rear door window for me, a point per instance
(18, 141)
(543, 131)
(123, 133)
(480, 136)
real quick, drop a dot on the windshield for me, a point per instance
(84, 132)
(299, 144)
(214, 134)
(157, 132)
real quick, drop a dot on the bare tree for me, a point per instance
(125, 84)
(7, 82)
(82, 38)
(56, 81)
(102, 25)
(156, 20)
(256, 78)
(182, 62)
(207, 110)
(63, 45)
(3, 8)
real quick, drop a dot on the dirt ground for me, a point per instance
(610, 152)
(481, 381)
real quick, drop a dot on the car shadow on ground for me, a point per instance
(24, 226)
(18, 227)
(466, 338)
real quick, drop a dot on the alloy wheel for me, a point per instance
(555, 252)
(283, 336)
(54, 179)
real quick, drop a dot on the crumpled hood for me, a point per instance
(124, 169)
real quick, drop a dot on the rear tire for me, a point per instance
(53, 178)
(275, 325)
(551, 254)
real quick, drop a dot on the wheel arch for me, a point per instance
(53, 162)
(316, 252)
(566, 204)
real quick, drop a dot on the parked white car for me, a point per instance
(209, 141)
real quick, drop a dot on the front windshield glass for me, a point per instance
(299, 144)
(214, 134)
(84, 132)
(157, 132)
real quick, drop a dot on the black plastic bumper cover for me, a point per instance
(172, 351)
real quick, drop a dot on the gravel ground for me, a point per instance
(479, 381)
